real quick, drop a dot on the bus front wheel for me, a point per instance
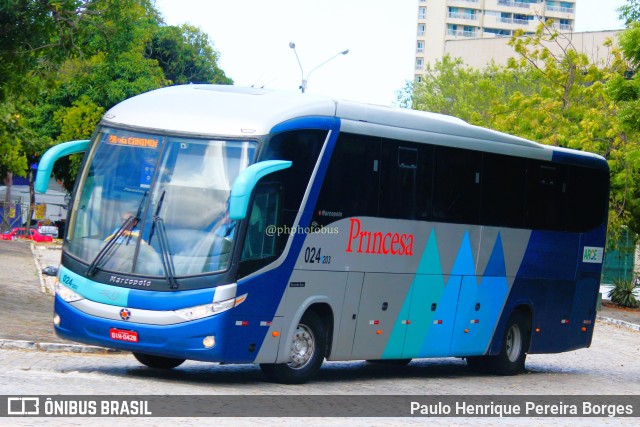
(513, 351)
(306, 353)
(158, 362)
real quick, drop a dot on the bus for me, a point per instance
(243, 225)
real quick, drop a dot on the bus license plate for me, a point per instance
(123, 335)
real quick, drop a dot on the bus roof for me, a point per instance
(232, 111)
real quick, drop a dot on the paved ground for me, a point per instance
(25, 309)
(608, 367)
(26, 296)
(626, 315)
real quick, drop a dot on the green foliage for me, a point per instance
(630, 12)
(75, 122)
(622, 294)
(63, 63)
(450, 87)
(186, 55)
(35, 36)
(553, 94)
(12, 158)
(624, 90)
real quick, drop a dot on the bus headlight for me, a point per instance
(67, 294)
(206, 310)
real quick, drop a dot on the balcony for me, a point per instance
(464, 16)
(571, 10)
(513, 21)
(512, 3)
(462, 33)
(461, 2)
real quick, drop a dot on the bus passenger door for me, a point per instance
(432, 315)
(381, 307)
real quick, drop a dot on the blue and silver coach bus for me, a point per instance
(233, 225)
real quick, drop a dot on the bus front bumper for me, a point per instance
(202, 339)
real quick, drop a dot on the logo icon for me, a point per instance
(23, 406)
(125, 314)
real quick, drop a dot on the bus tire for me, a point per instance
(306, 353)
(477, 363)
(513, 350)
(158, 362)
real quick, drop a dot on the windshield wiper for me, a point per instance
(163, 242)
(106, 252)
(167, 261)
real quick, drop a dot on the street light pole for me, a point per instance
(303, 83)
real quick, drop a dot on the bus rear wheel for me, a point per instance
(513, 351)
(158, 362)
(306, 353)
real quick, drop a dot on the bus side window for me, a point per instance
(503, 190)
(456, 183)
(302, 148)
(588, 191)
(547, 195)
(405, 180)
(350, 187)
(260, 242)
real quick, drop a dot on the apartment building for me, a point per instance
(440, 21)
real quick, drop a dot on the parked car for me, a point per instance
(21, 233)
(47, 229)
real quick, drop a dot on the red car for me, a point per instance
(21, 233)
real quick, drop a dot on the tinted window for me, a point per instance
(350, 187)
(503, 191)
(547, 195)
(278, 197)
(371, 176)
(405, 190)
(587, 197)
(258, 242)
(302, 148)
(456, 193)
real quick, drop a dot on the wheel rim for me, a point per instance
(513, 343)
(302, 347)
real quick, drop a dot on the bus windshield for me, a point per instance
(177, 183)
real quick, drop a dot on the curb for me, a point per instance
(54, 347)
(617, 322)
(45, 288)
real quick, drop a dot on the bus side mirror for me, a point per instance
(45, 166)
(245, 183)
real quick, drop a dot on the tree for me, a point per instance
(78, 58)
(11, 156)
(630, 12)
(624, 89)
(109, 66)
(37, 35)
(186, 55)
(450, 87)
(573, 109)
(552, 94)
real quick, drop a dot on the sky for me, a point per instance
(253, 36)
